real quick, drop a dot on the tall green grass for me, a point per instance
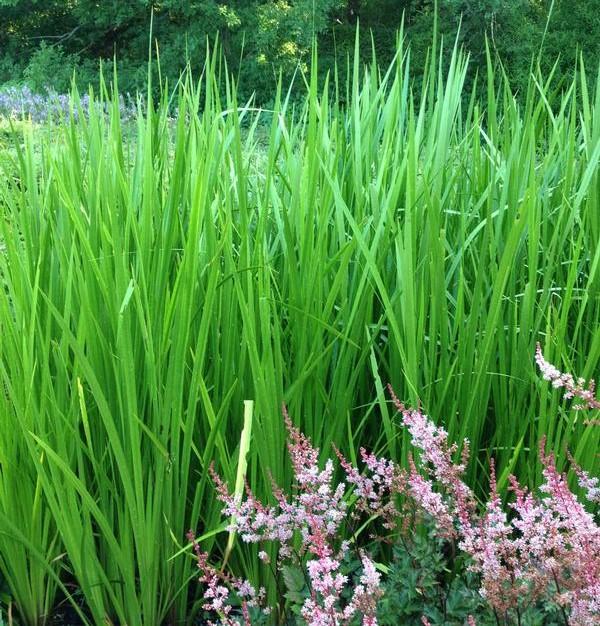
(153, 284)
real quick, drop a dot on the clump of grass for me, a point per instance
(152, 285)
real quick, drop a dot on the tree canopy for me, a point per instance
(42, 42)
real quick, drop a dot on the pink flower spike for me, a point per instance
(573, 389)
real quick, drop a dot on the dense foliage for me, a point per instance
(42, 43)
(160, 271)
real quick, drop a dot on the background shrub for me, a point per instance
(42, 43)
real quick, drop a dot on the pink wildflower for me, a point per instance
(550, 546)
(366, 594)
(590, 485)
(431, 502)
(377, 490)
(314, 514)
(574, 389)
(217, 594)
(455, 500)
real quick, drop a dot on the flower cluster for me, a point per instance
(544, 546)
(307, 527)
(589, 484)
(547, 547)
(21, 102)
(574, 388)
(375, 491)
(218, 588)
